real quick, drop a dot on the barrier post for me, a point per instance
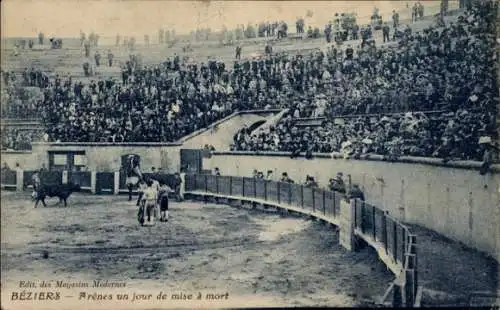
(324, 204)
(289, 194)
(19, 180)
(116, 179)
(397, 301)
(230, 186)
(409, 288)
(314, 200)
(395, 241)
(374, 228)
(279, 192)
(64, 177)
(346, 225)
(335, 205)
(217, 184)
(243, 187)
(384, 231)
(254, 187)
(206, 183)
(93, 181)
(362, 216)
(265, 190)
(302, 197)
(412, 249)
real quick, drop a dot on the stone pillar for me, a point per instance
(116, 189)
(346, 221)
(19, 180)
(93, 181)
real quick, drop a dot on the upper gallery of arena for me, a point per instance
(427, 93)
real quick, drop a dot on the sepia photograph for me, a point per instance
(178, 154)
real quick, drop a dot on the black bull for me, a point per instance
(63, 191)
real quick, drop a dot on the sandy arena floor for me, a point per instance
(259, 259)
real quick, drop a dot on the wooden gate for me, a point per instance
(192, 160)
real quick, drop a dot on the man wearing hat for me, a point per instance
(269, 175)
(356, 193)
(486, 144)
(285, 178)
(337, 184)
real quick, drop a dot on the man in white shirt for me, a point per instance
(149, 201)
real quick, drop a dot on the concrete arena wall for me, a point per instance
(101, 157)
(451, 201)
(25, 159)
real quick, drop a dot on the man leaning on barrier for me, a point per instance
(356, 193)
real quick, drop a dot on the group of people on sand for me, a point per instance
(153, 198)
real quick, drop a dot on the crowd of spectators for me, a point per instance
(20, 139)
(153, 104)
(22, 98)
(449, 69)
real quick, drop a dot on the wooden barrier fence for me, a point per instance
(394, 243)
(90, 181)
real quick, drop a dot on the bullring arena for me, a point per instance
(261, 223)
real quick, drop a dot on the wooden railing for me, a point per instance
(393, 241)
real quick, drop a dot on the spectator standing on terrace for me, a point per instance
(414, 12)
(420, 10)
(86, 46)
(395, 19)
(97, 58)
(41, 37)
(385, 32)
(216, 171)
(110, 58)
